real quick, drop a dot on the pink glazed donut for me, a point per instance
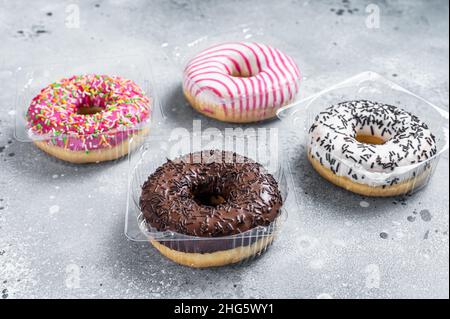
(89, 118)
(241, 82)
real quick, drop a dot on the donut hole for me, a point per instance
(370, 139)
(88, 110)
(238, 75)
(209, 199)
(242, 74)
(93, 103)
(206, 195)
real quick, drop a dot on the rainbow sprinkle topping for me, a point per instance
(88, 112)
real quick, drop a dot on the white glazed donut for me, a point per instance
(241, 82)
(371, 148)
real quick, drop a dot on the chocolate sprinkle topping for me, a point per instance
(210, 194)
(334, 143)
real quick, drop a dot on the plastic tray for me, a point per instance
(372, 86)
(30, 80)
(157, 149)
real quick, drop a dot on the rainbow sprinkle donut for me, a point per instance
(241, 82)
(88, 118)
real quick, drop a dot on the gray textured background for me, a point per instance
(57, 220)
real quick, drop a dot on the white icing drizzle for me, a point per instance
(408, 142)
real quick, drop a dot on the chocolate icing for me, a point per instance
(175, 198)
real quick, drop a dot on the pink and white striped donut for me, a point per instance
(241, 81)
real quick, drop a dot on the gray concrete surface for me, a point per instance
(61, 222)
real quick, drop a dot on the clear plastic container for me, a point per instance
(155, 152)
(372, 86)
(246, 93)
(94, 146)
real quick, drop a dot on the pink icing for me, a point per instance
(55, 113)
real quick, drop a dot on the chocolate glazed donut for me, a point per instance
(217, 199)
